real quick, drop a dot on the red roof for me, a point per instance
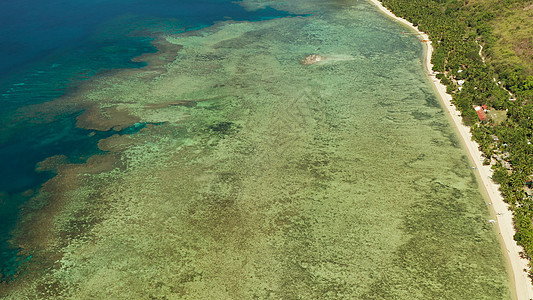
(480, 113)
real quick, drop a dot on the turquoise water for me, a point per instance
(48, 49)
(252, 175)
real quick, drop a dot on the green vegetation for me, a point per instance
(338, 180)
(501, 31)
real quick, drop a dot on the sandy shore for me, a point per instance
(504, 217)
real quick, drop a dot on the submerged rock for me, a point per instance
(312, 59)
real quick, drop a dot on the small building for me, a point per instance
(507, 165)
(480, 113)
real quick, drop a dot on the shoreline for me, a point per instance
(523, 289)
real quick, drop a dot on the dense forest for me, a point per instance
(484, 55)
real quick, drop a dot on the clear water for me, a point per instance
(269, 179)
(48, 48)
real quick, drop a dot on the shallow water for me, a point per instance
(48, 49)
(267, 178)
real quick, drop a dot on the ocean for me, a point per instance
(48, 48)
(182, 149)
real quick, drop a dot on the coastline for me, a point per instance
(254, 210)
(523, 289)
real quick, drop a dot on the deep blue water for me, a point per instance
(47, 47)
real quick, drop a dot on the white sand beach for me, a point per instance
(504, 217)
